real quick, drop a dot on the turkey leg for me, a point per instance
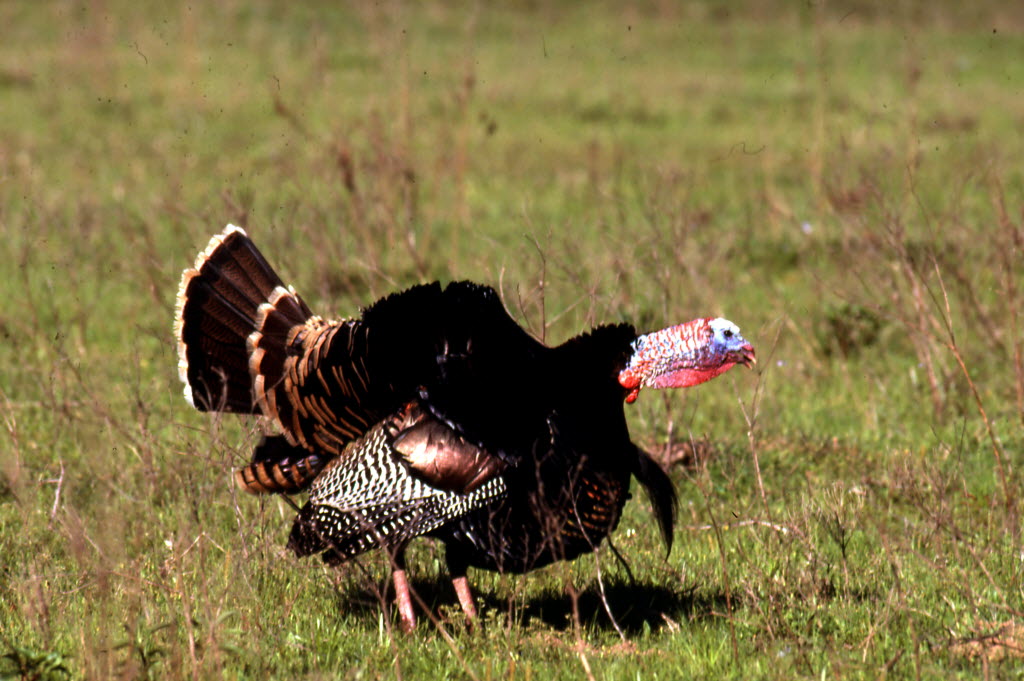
(457, 570)
(403, 599)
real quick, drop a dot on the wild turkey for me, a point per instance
(433, 414)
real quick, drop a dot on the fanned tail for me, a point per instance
(239, 329)
(230, 299)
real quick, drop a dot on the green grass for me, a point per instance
(843, 181)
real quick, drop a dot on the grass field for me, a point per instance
(843, 180)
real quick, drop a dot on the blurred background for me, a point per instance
(841, 179)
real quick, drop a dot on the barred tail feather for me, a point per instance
(281, 324)
(279, 467)
(218, 309)
(286, 476)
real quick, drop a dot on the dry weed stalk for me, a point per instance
(1009, 489)
(724, 562)
(1013, 243)
(923, 306)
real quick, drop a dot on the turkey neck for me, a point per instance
(586, 400)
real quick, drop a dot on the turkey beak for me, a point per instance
(745, 356)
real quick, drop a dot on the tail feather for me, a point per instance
(233, 260)
(661, 492)
(282, 325)
(281, 312)
(279, 467)
(220, 306)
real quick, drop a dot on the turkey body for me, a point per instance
(433, 413)
(562, 465)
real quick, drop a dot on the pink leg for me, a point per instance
(461, 585)
(404, 600)
(457, 570)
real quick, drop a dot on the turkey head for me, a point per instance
(685, 355)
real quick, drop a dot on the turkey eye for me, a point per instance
(727, 333)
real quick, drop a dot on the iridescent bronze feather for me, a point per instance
(437, 454)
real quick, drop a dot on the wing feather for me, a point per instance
(437, 454)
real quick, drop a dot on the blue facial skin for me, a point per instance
(727, 341)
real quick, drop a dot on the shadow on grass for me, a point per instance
(637, 608)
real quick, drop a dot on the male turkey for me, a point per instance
(433, 414)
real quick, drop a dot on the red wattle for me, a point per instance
(629, 380)
(685, 378)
